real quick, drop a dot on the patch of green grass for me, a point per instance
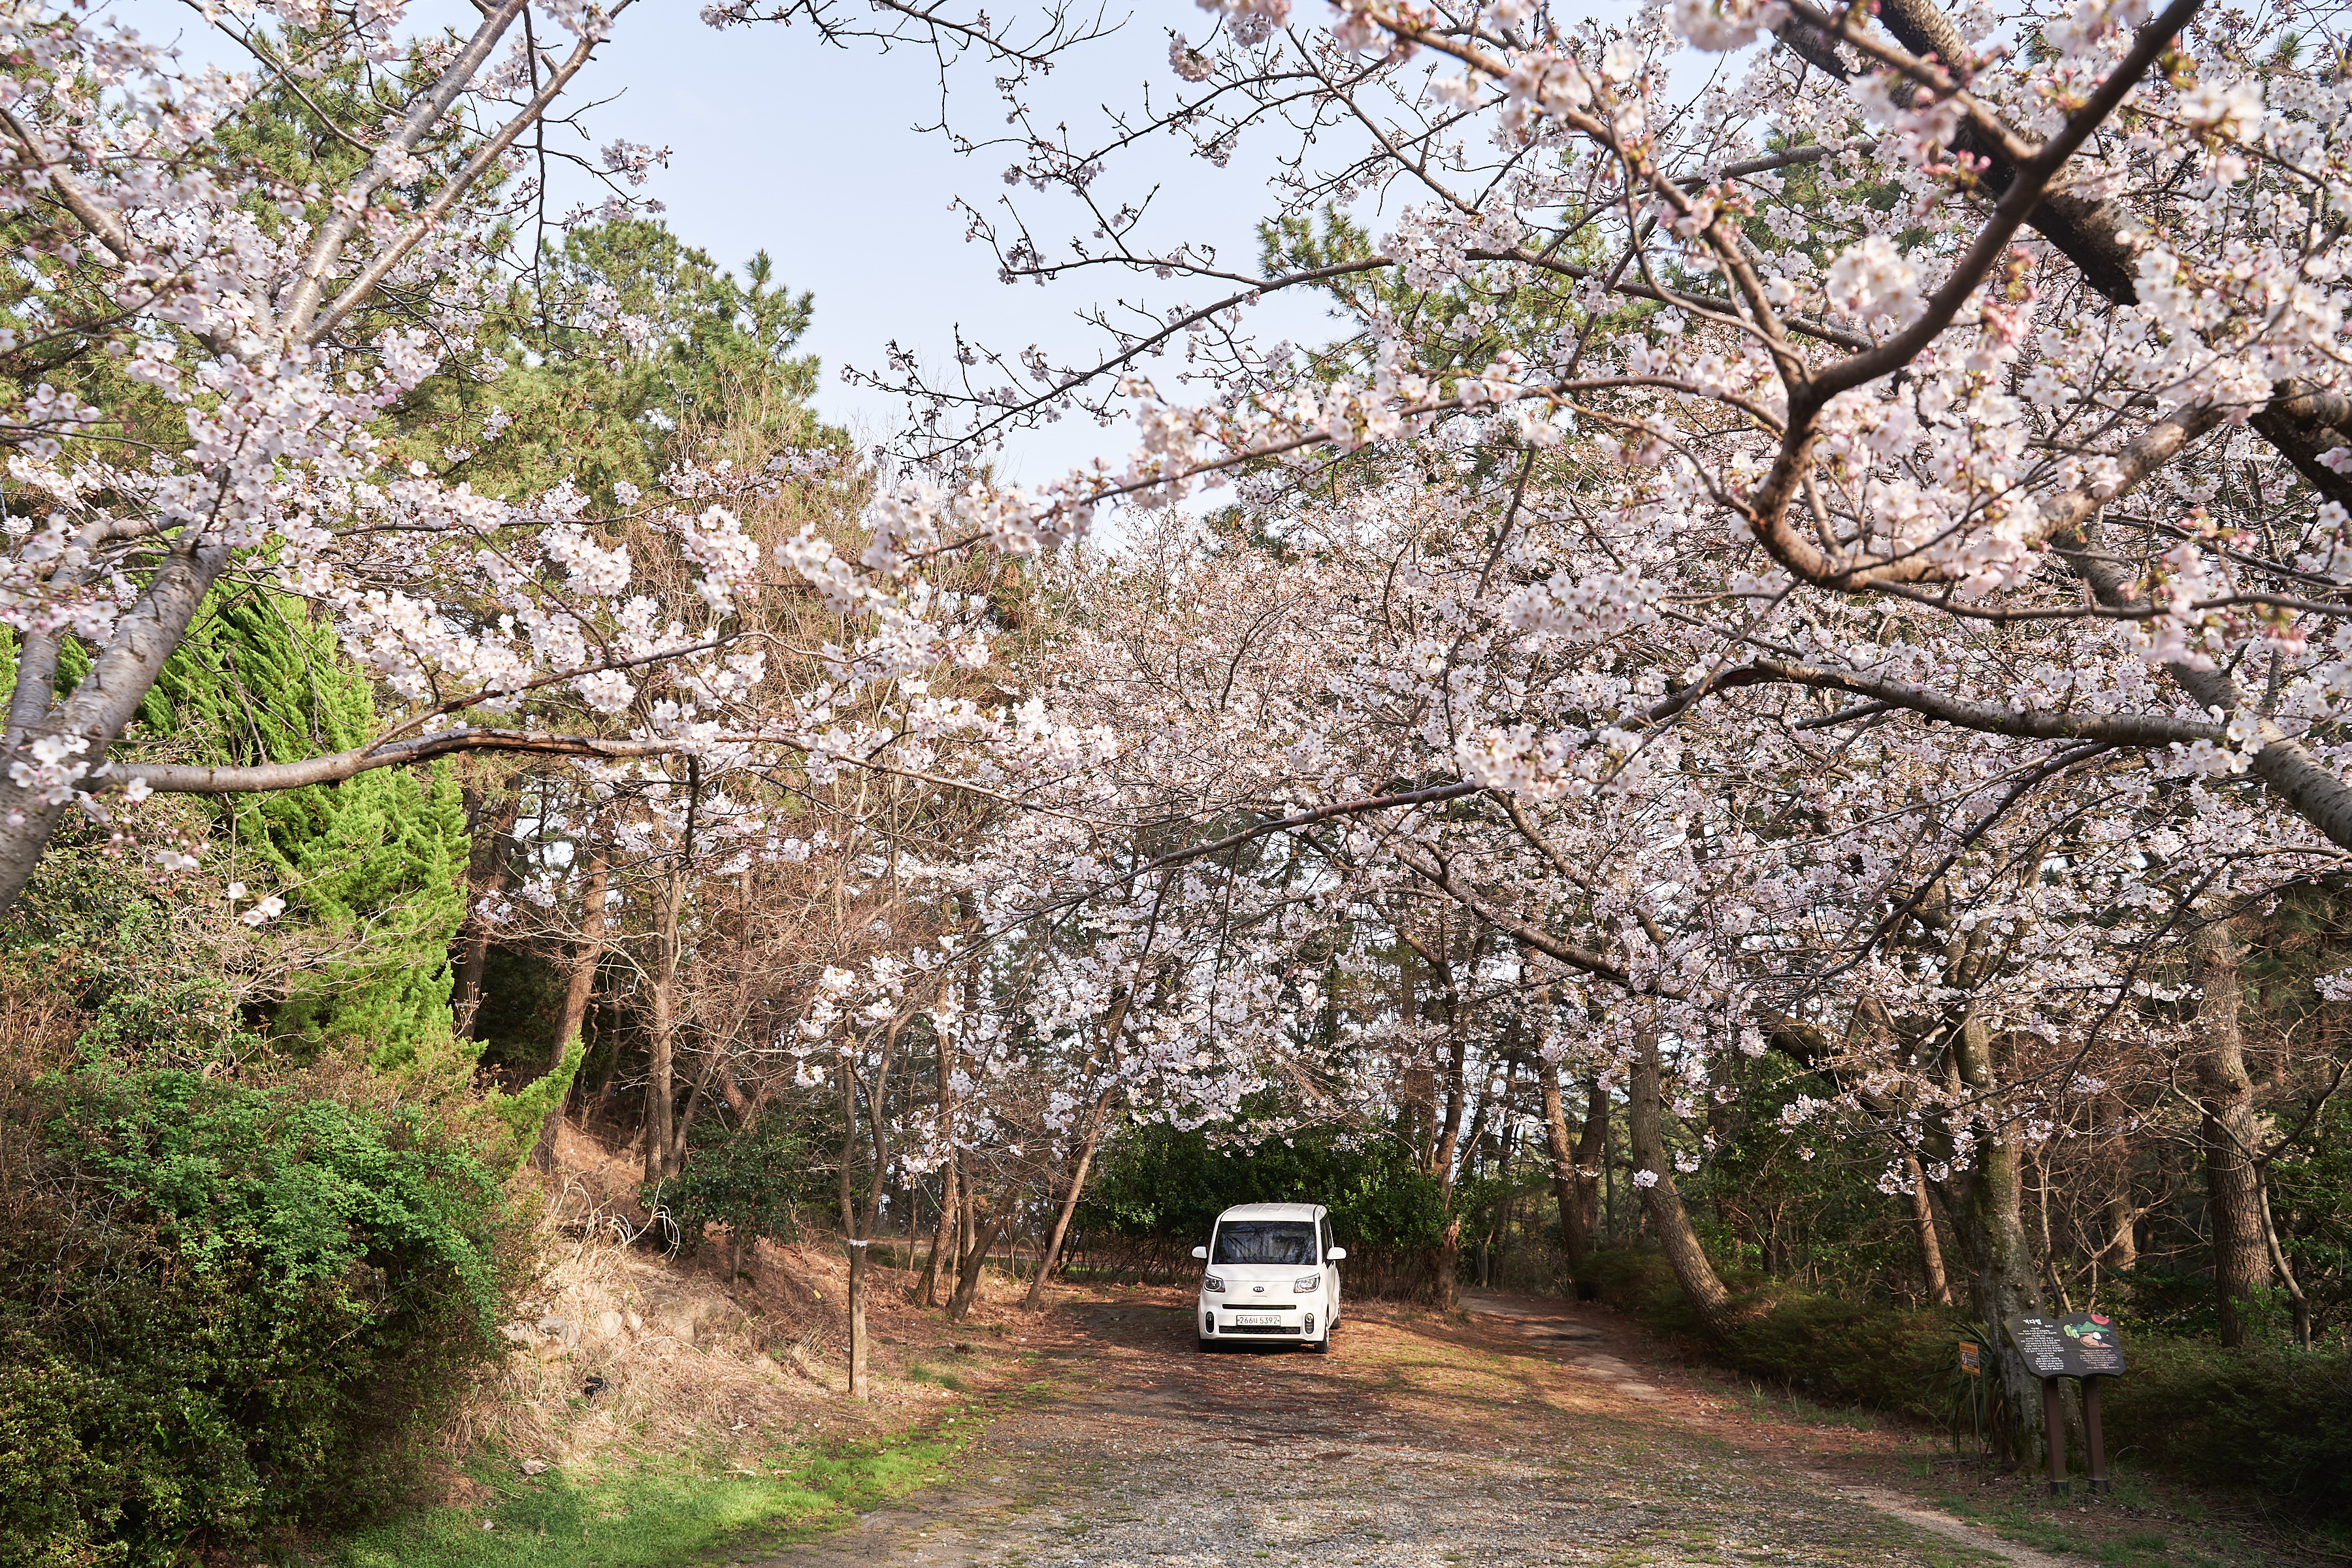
(650, 1515)
(2144, 1548)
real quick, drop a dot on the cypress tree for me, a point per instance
(377, 861)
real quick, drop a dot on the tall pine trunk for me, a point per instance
(661, 1087)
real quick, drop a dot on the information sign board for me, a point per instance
(2081, 1344)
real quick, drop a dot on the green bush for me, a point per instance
(225, 1309)
(2269, 1416)
(754, 1180)
(1874, 1353)
(1168, 1185)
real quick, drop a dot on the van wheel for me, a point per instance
(1206, 1346)
(1323, 1346)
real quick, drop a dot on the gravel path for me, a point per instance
(1522, 1437)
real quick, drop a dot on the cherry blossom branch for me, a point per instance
(333, 767)
(423, 114)
(2315, 790)
(2019, 721)
(366, 282)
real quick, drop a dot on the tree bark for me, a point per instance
(1993, 1212)
(663, 1150)
(1051, 1256)
(1693, 1271)
(1931, 1248)
(1448, 1262)
(1576, 1183)
(2225, 1091)
(851, 1240)
(927, 1290)
(594, 889)
(983, 1236)
(2121, 1254)
(926, 1293)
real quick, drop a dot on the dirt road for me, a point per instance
(1524, 1436)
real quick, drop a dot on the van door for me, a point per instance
(1332, 1302)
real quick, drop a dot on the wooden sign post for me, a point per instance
(2085, 1345)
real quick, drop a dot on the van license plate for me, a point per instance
(1257, 1320)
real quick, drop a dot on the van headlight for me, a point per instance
(1307, 1282)
(1213, 1285)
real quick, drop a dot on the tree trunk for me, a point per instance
(1448, 1262)
(487, 877)
(926, 1293)
(661, 1089)
(1992, 1216)
(1665, 1205)
(984, 1235)
(2296, 1302)
(2122, 1252)
(594, 889)
(850, 1237)
(927, 1290)
(857, 1337)
(1574, 1184)
(1052, 1253)
(1499, 1241)
(1931, 1247)
(2225, 1092)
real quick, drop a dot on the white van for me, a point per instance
(1273, 1276)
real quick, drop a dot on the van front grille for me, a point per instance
(1260, 1329)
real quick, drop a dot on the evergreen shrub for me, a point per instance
(226, 1309)
(755, 1179)
(2269, 1416)
(1826, 1347)
(1167, 1185)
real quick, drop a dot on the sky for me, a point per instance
(813, 153)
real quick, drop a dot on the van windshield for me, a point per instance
(1283, 1241)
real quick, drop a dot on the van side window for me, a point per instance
(1326, 1236)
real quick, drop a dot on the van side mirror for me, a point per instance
(1201, 1253)
(1334, 1254)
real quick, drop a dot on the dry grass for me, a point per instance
(689, 1361)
